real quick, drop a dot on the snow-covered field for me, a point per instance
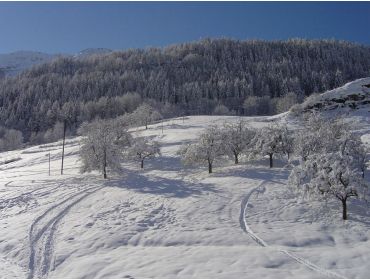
(167, 221)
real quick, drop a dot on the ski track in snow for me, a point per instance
(261, 242)
(42, 233)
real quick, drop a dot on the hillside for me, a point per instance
(167, 221)
(353, 95)
(192, 78)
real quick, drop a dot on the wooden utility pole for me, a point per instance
(64, 140)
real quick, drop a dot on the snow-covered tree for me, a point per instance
(286, 102)
(206, 150)
(101, 147)
(221, 110)
(142, 149)
(270, 141)
(330, 175)
(287, 141)
(145, 115)
(237, 139)
(55, 133)
(333, 164)
(12, 139)
(318, 135)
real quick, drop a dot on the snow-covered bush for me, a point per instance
(142, 149)
(206, 150)
(237, 139)
(334, 169)
(102, 146)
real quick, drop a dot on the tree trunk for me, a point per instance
(209, 167)
(64, 140)
(142, 163)
(236, 158)
(105, 172)
(105, 165)
(271, 162)
(344, 205)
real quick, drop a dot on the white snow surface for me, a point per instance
(167, 221)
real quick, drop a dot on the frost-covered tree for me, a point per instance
(318, 134)
(221, 110)
(332, 174)
(208, 147)
(142, 149)
(287, 141)
(55, 133)
(145, 115)
(237, 139)
(285, 102)
(101, 147)
(270, 141)
(11, 140)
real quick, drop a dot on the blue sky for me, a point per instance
(67, 27)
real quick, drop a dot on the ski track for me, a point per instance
(42, 233)
(261, 242)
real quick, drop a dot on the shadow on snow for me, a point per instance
(160, 186)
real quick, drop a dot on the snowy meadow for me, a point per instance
(171, 219)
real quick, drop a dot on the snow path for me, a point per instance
(244, 225)
(41, 234)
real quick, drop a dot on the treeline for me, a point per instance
(210, 76)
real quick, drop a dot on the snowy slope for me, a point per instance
(353, 95)
(167, 221)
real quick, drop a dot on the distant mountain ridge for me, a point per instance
(15, 62)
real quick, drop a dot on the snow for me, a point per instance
(170, 221)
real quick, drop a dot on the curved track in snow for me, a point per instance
(260, 241)
(42, 233)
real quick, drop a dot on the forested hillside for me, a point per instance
(191, 78)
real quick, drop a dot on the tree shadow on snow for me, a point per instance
(273, 175)
(164, 163)
(160, 186)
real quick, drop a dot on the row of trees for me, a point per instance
(234, 140)
(205, 77)
(329, 160)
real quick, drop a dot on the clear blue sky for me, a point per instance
(67, 27)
